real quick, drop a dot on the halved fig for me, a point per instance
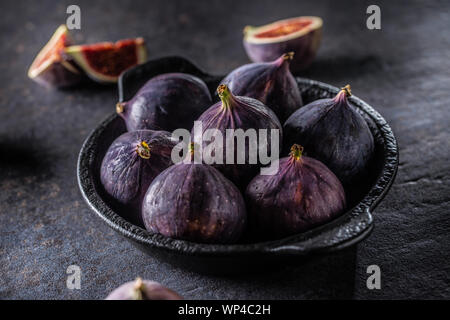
(50, 67)
(300, 35)
(105, 61)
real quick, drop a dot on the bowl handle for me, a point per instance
(347, 230)
(134, 78)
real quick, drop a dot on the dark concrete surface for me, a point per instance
(403, 70)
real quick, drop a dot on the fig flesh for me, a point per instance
(166, 102)
(270, 82)
(333, 132)
(105, 61)
(303, 194)
(238, 112)
(131, 163)
(50, 67)
(301, 35)
(143, 290)
(195, 202)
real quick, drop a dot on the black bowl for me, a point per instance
(348, 229)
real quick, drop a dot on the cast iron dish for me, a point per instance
(346, 230)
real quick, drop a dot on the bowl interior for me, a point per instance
(114, 126)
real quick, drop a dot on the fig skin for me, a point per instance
(333, 132)
(61, 74)
(131, 163)
(269, 82)
(304, 46)
(55, 70)
(194, 202)
(303, 193)
(238, 112)
(166, 102)
(143, 290)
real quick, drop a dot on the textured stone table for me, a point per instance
(402, 70)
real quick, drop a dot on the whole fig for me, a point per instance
(143, 290)
(237, 112)
(333, 132)
(270, 82)
(195, 202)
(131, 163)
(303, 194)
(166, 102)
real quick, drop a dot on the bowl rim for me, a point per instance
(349, 228)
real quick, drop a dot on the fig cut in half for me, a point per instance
(50, 67)
(105, 61)
(300, 35)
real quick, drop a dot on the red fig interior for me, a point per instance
(111, 58)
(51, 51)
(284, 29)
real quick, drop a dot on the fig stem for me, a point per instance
(138, 289)
(247, 29)
(191, 147)
(284, 58)
(225, 96)
(192, 150)
(296, 152)
(120, 107)
(288, 56)
(347, 90)
(143, 150)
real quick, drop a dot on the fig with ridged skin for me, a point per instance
(143, 290)
(270, 82)
(333, 132)
(303, 193)
(131, 163)
(168, 102)
(238, 112)
(195, 202)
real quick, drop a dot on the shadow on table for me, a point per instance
(330, 276)
(88, 86)
(24, 155)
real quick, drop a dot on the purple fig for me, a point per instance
(143, 290)
(195, 202)
(51, 68)
(302, 194)
(332, 131)
(166, 102)
(237, 112)
(270, 82)
(131, 163)
(301, 35)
